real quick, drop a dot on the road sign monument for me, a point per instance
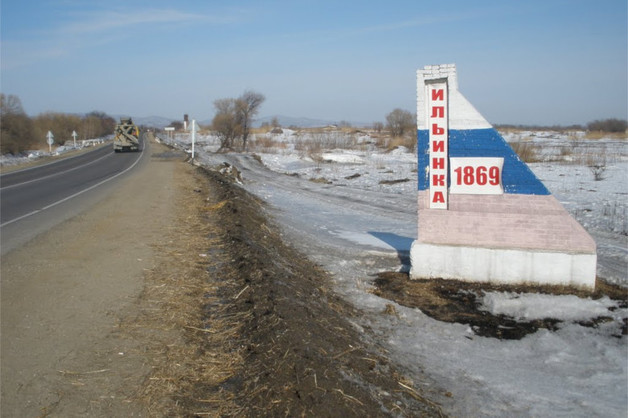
(483, 215)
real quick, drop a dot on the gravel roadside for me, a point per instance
(64, 294)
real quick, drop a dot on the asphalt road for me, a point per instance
(35, 199)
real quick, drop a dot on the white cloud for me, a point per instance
(81, 30)
(100, 21)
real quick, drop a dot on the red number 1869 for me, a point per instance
(480, 175)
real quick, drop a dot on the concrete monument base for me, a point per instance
(503, 266)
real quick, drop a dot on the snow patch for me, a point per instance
(528, 306)
(342, 158)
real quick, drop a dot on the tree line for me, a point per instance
(400, 121)
(19, 132)
(234, 116)
(608, 125)
(232, 124)
(611, 125)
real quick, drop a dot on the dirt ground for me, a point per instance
(242, 325)
(176, 297)
(456, 301)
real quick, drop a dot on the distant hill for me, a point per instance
(153, 121)
(150, 121)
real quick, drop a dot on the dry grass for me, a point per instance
(265, 144)
(596, 135)
(315, 140)
(300, 354)
(262, 129)
(312, 142)
(526, 151)
(191, 336)
(566, 152)
(406, 141)
(385, 141)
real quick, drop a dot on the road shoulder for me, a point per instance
(65, 293)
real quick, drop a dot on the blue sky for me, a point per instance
(523, 62)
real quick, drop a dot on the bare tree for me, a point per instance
(177, 125)
(234, 117)
(17, 130)
(96, 124)
(226, 123)
(597, 164)
(90, 127)
(247, 107)
(399, 121)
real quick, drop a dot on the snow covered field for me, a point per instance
(353, 211)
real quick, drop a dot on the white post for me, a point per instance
(74, 136)
(193, 136)
(51, 141)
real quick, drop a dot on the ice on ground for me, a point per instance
(342, 158)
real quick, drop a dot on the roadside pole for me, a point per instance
(193, 136)
(51, 140)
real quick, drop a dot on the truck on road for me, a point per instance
(127, 136)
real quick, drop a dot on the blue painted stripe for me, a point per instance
(517, 178)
